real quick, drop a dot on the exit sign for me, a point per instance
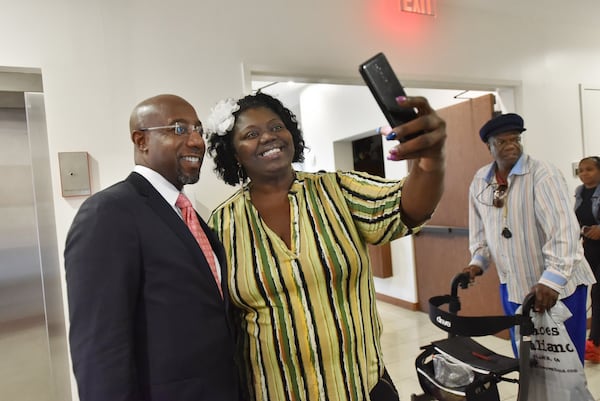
(425, 7)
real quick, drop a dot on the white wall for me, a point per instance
(99, 57)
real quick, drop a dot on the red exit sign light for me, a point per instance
(425, 7)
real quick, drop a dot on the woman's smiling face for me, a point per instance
(263, 144)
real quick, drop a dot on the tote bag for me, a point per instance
(556, 372)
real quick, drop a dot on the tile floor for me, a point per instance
(404, 331)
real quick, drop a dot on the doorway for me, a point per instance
(590, 103)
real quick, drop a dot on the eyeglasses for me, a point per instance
(179, 128)
(502, 142)
(499, 194)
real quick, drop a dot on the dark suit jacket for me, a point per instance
(147, 319)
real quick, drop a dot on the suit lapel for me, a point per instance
(175, 223)
(219, 253)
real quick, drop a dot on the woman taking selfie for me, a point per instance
(296, 245)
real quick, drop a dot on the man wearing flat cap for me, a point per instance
(521, 218)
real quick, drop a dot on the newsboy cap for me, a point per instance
(502, 123)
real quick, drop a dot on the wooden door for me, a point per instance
(442, 248)
(367, 154)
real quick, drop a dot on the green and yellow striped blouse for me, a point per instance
(309, 324)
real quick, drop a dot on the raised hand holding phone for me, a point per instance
(421, 134)
(388, 92)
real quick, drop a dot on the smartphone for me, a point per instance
(385, 87)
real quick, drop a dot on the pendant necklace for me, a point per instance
(506, 233)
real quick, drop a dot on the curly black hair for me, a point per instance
(220, 148)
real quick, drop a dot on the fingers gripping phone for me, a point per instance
(385, 87)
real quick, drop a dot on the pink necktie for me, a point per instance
(190, 218)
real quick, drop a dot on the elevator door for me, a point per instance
(31, 358)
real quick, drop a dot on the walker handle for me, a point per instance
(463, 280)
(527, 324)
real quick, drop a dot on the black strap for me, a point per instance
(467, 326)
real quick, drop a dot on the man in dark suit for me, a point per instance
(147, 318)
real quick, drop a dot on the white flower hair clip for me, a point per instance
(221, 117)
